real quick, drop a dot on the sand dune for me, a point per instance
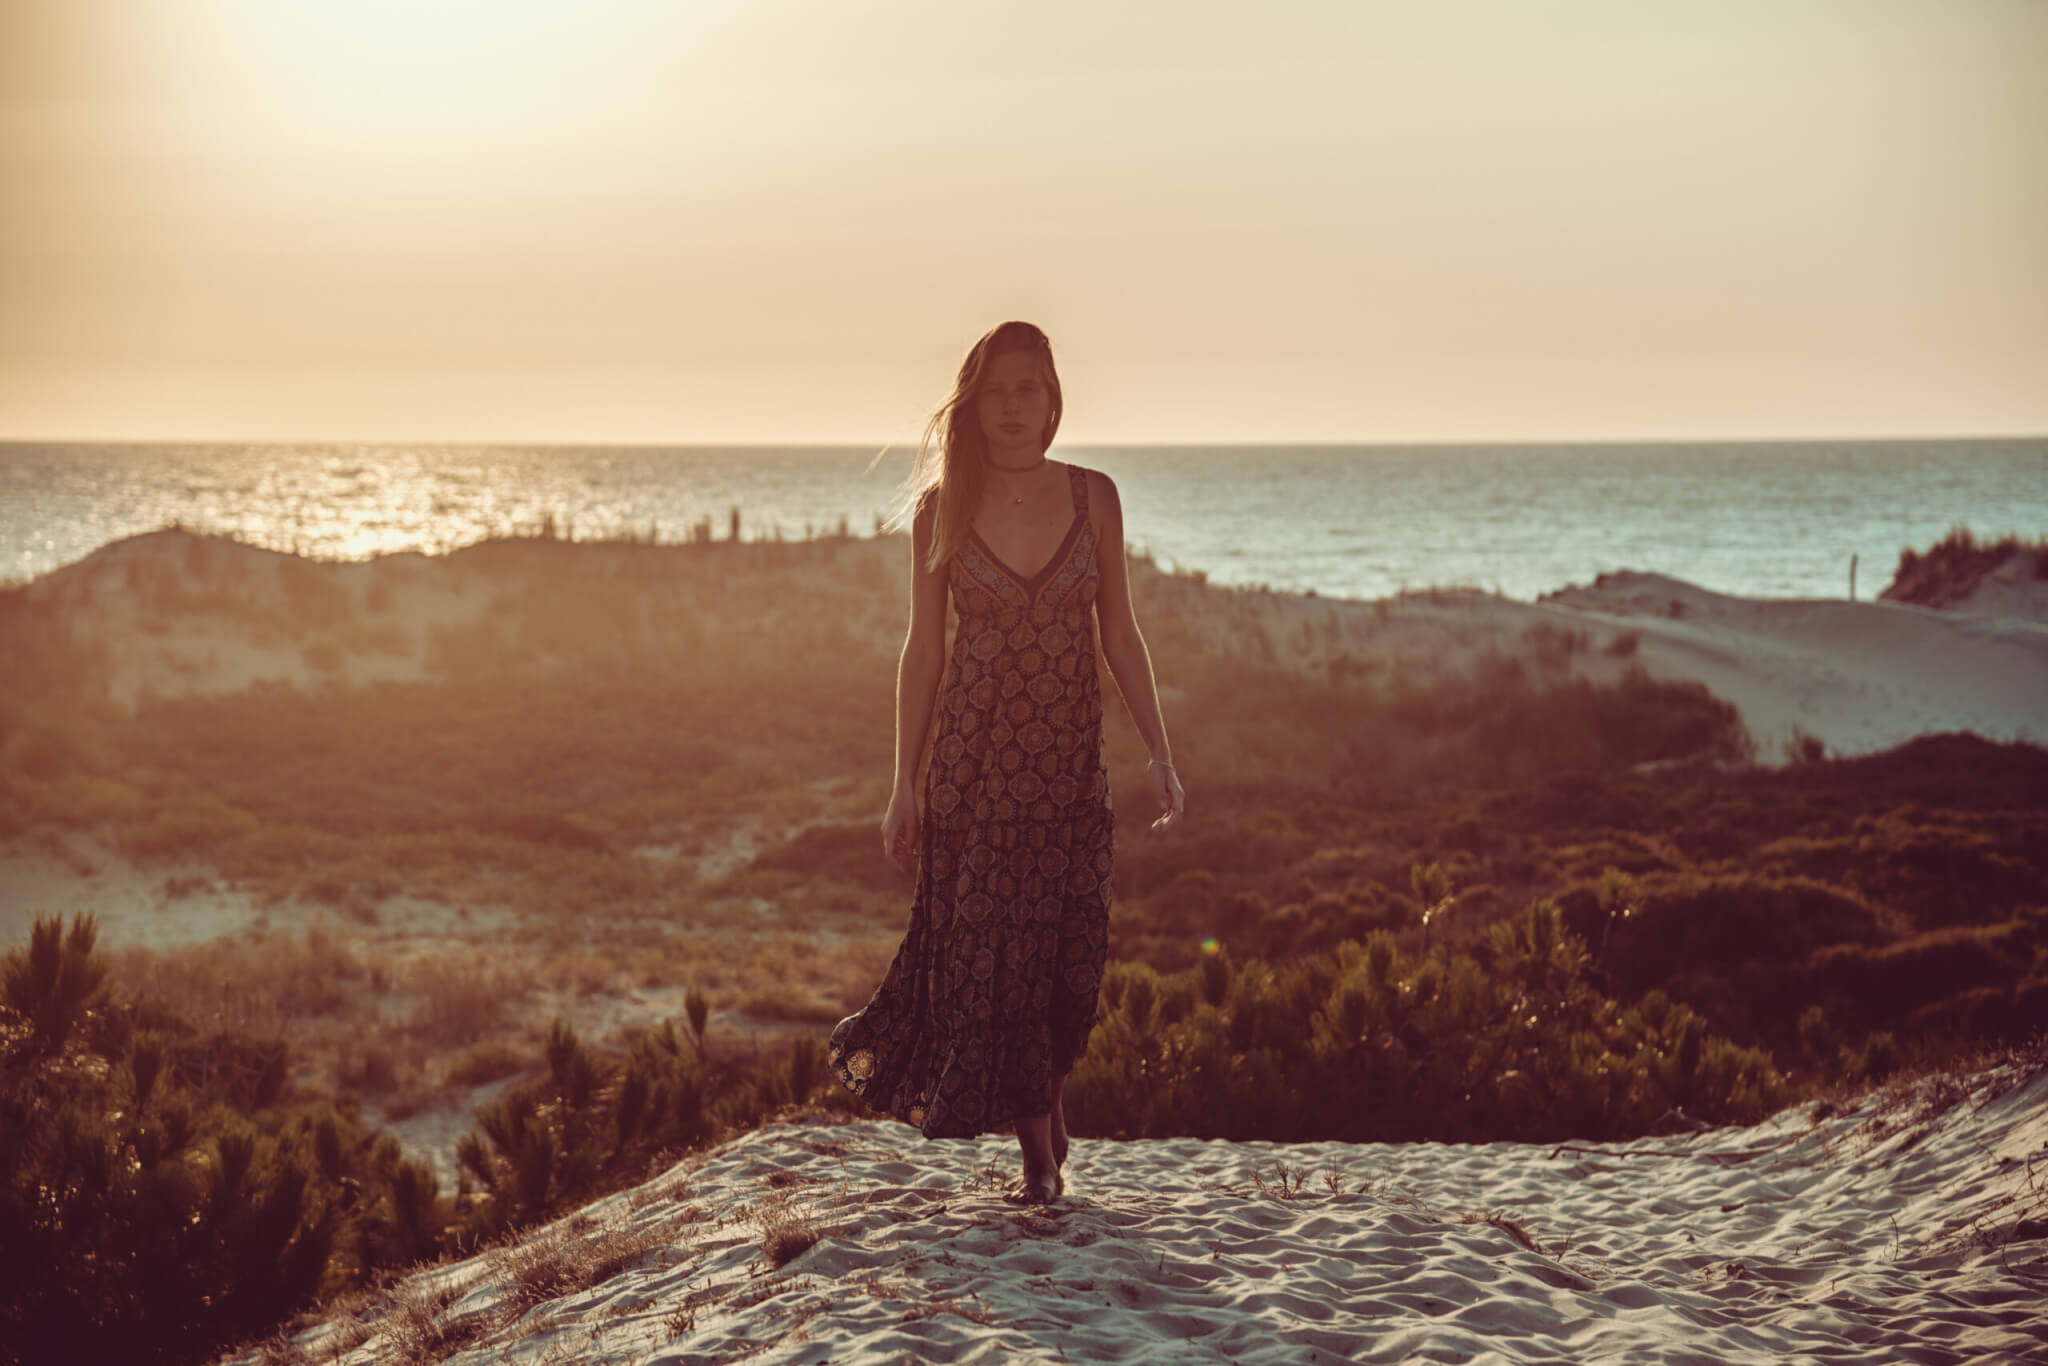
(1913, 1227)
(2016, 589)
(176, 613)
(1859, 676)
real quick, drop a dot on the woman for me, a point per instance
(991, 997)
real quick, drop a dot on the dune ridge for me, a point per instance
(172, 614)
(1913, 1224)
(1858, 676)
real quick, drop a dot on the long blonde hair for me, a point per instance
(949, 473)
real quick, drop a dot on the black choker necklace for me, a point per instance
(1018, 469)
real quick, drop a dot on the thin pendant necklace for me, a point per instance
(1019, 499)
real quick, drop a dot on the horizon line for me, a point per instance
(885, 447)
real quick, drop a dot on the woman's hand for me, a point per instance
(899, 830)
(1166, 789)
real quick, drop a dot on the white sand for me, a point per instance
(154, 908)
(2015, 589)
(176, 906)
(1859, 676)
(1899, 1232)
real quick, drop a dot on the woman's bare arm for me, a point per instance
(917, 688)
(1123, 644)
(924, 654)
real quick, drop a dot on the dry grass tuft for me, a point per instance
(573, 1257)
(1920, 1098)
(460, 1003)
(675, 1190)
(787, 1229)
(536, 1271)
(615, 1249)
(989, 1178)
(418, 1329)
(1287, 1184)
(346, 1333)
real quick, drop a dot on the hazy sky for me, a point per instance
(774, 220)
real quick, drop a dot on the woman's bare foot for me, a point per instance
(1041, 1182)
(1038, 1188)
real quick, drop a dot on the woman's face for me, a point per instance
(1014, 405)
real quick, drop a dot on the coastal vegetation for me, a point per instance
(1526, 893)
(1952, 568)
(1904, 893)
(642, 753)
(660, 764)
(166, 1188)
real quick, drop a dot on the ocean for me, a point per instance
(1765, 520)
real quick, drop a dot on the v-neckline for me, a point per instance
(1032, 584)
(1036, 581)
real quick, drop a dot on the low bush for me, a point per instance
(166, 1190)
(1735, 946)
(1703, 922)
(1365, 1043)
(1953, 567)
(594, 1123)
(1872, 986)
(163, 1190)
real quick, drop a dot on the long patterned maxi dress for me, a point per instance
(993, 990)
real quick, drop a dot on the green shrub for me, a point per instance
(162, 1191)
(596, 1123)
(1735, 945)
(1365, 1043)
(1872, 985)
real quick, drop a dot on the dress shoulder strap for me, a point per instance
(1080, 478)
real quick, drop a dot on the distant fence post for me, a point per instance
(1852, 578)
